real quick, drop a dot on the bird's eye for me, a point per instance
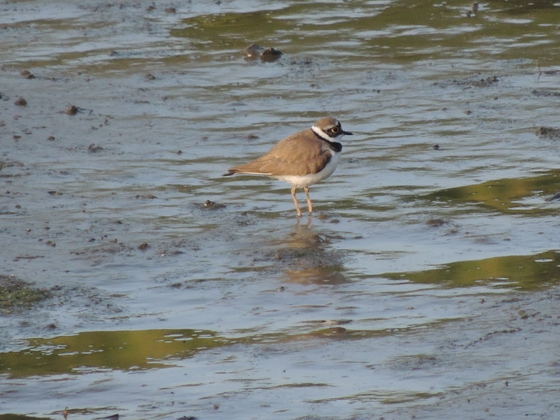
(335, 130)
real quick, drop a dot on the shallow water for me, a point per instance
(425, 285)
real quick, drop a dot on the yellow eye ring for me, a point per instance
(335, 130)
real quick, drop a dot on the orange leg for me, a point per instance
(309, 205)
(296, 202)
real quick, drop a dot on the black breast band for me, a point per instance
(336, 147)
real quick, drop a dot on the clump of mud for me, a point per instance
(548, 132)
(545, 93)
(211, 205)
(267, 55)
(473, 81)
(17, 295)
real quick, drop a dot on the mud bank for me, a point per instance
(425, 285)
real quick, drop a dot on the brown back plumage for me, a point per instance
(299, 154)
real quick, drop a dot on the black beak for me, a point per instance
(346, 133)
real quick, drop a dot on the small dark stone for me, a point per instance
(435, 222)
(254, 51)
(27, 74)
(93, 148)
(143, 246)
(72, 110)
(20, 102)
(270, 55)
(211, 205)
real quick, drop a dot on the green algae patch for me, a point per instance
(524, 272)
(21, 417)
(99, 351)
(523, 196)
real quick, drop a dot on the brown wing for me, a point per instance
(299, 154)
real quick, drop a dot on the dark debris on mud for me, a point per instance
(8, 163)
(267, 55)
(545, 93)
(470, 82)
(548, 132)
(435, 222)
(17, 295)
(211, 205)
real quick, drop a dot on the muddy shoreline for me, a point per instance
(139, 281)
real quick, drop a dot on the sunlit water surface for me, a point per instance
(425, 285)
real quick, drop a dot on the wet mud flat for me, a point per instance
(140, 282)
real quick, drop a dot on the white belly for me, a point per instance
(307, 180)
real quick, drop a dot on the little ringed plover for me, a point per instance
(302, 159)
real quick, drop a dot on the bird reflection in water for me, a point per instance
(308, 259)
